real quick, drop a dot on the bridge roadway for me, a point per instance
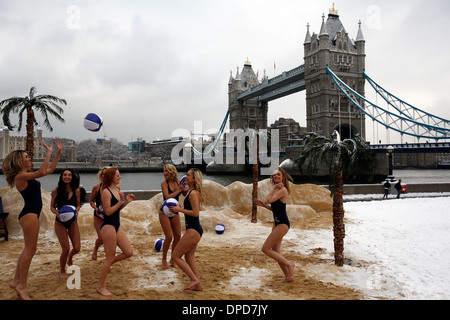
(439, 147)
(282, 85)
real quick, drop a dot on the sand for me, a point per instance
(231, 265)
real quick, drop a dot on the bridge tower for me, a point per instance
(250, 113)
(326, 109)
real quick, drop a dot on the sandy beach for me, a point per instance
(232, 265)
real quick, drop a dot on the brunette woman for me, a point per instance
(67, 193)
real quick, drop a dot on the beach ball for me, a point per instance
(166, 207)
(93, 122)
(67, 213)
(159, 244)
(220, 228)
(183, 180)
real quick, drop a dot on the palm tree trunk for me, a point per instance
(255, 184)
(338, 218)
(30, 135)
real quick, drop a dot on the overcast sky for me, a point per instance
(151, 68)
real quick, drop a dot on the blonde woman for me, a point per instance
(99, 214)
(171, 188)
(276, 202)
(16, 168)
(194, 231)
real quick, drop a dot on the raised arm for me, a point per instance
(52, 167)
(47, 168)
(22, 178)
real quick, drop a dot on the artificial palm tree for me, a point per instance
(341, 157)
(46, 104)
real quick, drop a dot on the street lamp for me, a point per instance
(390, 151)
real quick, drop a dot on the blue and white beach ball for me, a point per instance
(159, 244)
(166, 207)
(220, 228)
(183, 180)
(67, 213)
(93, 122)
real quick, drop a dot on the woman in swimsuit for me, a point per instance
(113, 200)
(67, 193)
(99, 214)
(188, 243)
(171, 188)
(16, 170)
(276, 201)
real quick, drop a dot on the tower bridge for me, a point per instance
(333, 76)
(327, 109)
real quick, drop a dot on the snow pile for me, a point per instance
(399, 249)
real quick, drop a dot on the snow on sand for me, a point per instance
(399, 249)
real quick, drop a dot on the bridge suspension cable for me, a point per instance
(407, 109)
(404, 122)
(212, 146)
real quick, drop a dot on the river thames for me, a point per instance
(152, 180)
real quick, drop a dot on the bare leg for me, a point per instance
(176, 229)
(30, 227)
(124, 244)
(188, 243)
(168, 236)
(61, 233)
(97, 224)
(272, 247)
(111, 239)
(109, 242)
(74, 235)
(190, 260)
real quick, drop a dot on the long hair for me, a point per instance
(100, 174)
(61, 191)
(172, 171)
(108, 177)
(198, 182)
(12, 165)
(286, 178)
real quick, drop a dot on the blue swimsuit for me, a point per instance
(191, 222)
(33, 199)
(279, 213)
(169, 191)
(71, 202)
(114, 218)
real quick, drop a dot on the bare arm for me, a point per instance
(53, 201)
(122, 203)
(21, 180)
(278, 192)
(78, 195)
(165, 191)
(94, 192)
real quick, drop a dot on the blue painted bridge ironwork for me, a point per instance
(282, 85)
